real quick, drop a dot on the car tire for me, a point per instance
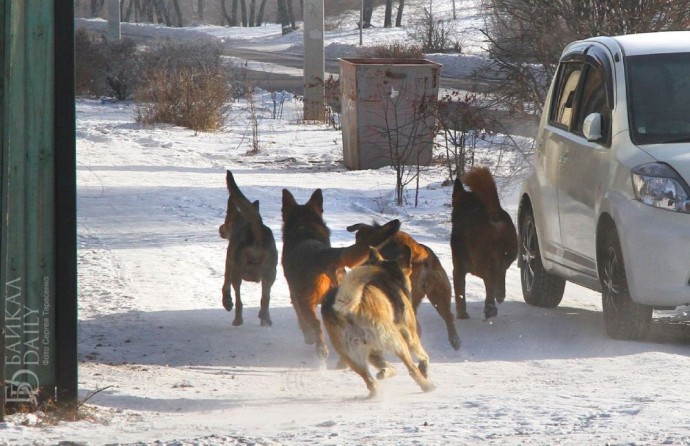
(623, 318)
(539, 287)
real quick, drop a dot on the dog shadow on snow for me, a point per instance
(206, 337)
(205, 340)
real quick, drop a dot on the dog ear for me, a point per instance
(458, 188)
(356, 227)
(374, 256)
(289, 202)
(316, 201)
(256, 205)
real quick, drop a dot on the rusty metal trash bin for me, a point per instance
(387, 111)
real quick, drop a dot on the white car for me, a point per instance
(607, 205)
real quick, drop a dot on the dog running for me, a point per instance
(311, 266)
(251, 254)
(371, 314)
(483, 239)
(428, 276)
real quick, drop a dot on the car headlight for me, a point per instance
(658, 185)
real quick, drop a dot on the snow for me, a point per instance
(161, 364)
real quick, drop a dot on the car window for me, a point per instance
(593, 100)
(659, 98)
(564, 97)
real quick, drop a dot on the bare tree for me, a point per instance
(178, 13)
(368, 11)
(461, 119)
(388, 14)
(243, 10)
(260, 14)
(398, 18)
(405, 126)
(162, 13)
(284, 16)
(526, 38)
(291, 15)
(200, 10)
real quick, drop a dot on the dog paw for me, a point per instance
(490, 311)
(227, 302)
(428, 387)
(386, 372)
(463, 315)
(322, 351)
(237, 322)
(454, 342)
(266, 322)
(423, 368)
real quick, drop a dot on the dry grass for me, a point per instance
(394, 50)
(185, 85)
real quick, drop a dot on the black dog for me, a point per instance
(252, 253)
(483, 239)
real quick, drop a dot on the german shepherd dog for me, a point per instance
(371, 314)
(483, 239)
(251, 255)
(312, 266)
(428, 276)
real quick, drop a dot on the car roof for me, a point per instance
(649, 43)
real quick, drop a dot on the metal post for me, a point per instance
(361, 21)
(38, 202)
(113, 8)
(314, 64)
(2, 205)
(65, 165)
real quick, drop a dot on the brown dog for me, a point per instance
(483, 239)
(371, 314)
(311, 266)
(251, 255)
(428, 276)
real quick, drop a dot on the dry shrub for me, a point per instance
(104, 68)
(185, 85)
(393, 50)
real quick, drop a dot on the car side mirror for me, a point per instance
(591, 127)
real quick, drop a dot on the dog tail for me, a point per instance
(481, 182)
(249, 210)
(354, 255)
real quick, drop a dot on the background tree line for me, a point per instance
(182, 13)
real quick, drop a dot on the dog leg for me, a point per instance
(227, 296)
(386, 369)
(441, 301)
(490, 309)
(459, 285)
(264, 314)
(311, 328)
(227, 281)
(361, 368)
(238, 303)
(417, 373)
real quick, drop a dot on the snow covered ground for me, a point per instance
(161, 364)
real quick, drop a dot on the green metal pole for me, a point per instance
(65, 207)
(28, 260)
(2, 206)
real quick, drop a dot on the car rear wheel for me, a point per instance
(623, 318)
(539, 287)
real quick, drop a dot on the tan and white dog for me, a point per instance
(370, 314)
